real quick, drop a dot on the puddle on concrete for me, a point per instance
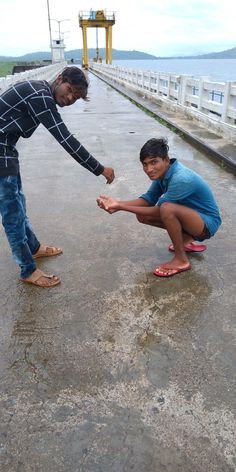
(148, 340)
(152, 323)
(135, 326)
(160, 358)
(171, 303)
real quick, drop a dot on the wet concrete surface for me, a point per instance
(116, 370)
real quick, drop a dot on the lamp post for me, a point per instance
(59, 25)
(63, 34)
(58, 47)
(49, 24)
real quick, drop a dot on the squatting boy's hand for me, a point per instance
(108, 204)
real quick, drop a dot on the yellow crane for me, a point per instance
(97, 19)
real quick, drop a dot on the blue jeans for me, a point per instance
(20, 235)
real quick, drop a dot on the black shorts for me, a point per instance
(204, 235)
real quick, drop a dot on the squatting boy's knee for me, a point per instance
(167, 209)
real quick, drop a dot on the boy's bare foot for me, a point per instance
(172, 267)
(168, 272)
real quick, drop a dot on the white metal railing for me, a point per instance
(217, 100)
(42, 73)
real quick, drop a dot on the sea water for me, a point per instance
(219, 70)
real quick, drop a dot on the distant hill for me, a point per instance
(227, 54)
(78, 54)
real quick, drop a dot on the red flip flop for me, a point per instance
(158, 271)
(190, 247)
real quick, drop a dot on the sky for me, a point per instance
(162, 28)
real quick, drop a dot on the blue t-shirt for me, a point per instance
(184, 186)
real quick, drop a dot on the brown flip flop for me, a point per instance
(37, 274)
(50, 251)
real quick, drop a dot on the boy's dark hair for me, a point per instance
(155, 148)
(76, 76)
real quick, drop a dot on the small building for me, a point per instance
(58, 50)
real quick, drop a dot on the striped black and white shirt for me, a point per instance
(22, 108)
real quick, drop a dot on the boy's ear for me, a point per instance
(59, 79)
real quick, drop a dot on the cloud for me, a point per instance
(160, 28)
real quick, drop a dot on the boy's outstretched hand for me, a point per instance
(108, 204)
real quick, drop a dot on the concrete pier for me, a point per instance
(116, 370)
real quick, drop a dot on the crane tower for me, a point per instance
(97, 19)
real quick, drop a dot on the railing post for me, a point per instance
(150, 81)
(157, 83)
(201, 92)
(168, 86)
(143, 80)
(225, 106)
(183, 81)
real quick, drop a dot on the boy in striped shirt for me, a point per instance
(22, 108)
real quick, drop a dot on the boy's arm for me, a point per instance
(111, 205)
(138, 202)
(44, 108)
(140, 210)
